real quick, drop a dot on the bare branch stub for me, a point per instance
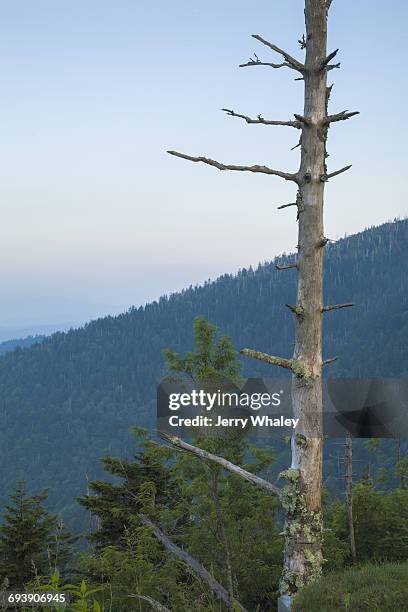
(298, 367)
(261, 120)
(322, 243)
(298, 311)
(343, 116)
(329, 361)
(326, 177)
(332, 66)
(286, 266)
(287, 205)
(302, 42)
(302, 119)
(299, 144)
(256, 168)
(328, 59)
(336, 307)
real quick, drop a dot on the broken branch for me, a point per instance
(326, 177)
(257, 62)
(297, 310)
(328, 59)
(227, 465)
(329, 361)
(258, 169)
(261, 120)
(286, 266)
(336, 307)
(302, 119)
(299, 368)
(195, 565)
(291, 61)
(343, 116)
(287, 205)
(332, 66)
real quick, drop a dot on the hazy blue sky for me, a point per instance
(96, 216)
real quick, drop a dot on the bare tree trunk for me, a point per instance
(349, 496)
(303, 558)
(301, 495)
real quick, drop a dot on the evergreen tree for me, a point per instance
(32, 541)
(113, 504)
(228, 526)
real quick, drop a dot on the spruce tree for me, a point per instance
(32, 541)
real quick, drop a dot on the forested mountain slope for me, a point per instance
(9, 345)
(70, 399)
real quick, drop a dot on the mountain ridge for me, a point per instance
(62, 399)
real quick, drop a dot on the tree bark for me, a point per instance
(303, 530)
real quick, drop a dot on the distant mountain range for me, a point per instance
(70, 399)
(9, 345)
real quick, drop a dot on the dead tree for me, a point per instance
(301, 495)
(349, 496)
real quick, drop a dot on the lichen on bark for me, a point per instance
(303, 533)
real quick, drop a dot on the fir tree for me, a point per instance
(32, 541)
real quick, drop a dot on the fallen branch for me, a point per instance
(195, 565)
(227, 465)
(258, 169)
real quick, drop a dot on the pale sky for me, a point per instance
(97, 217)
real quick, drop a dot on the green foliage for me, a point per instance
(380, 526)
(72, 398)
(137, 483)
(214, 358)
(32, 542)
(373, 588)
(224, 522)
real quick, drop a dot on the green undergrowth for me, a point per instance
(375, 588)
